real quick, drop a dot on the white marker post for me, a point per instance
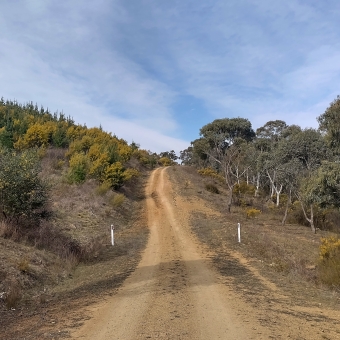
(239, 232)
(112, 235)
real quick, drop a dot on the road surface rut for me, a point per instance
(174, 292)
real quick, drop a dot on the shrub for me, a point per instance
(324, 219)
(209, 172)
(78, 168)
(212, 188)
(244, 189)
(243, 194)
(329, 261)
(37, 135)
(165, 161)
(99, 165)
(252, 213)
(114, 174)
(130, 173)
(22, 192)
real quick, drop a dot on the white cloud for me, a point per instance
(320, 70)
(64, 65)
(130, 61)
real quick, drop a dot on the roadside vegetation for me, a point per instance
(61, 187)
(278, 169)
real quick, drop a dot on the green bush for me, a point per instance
(78, 168)
(22, 192)
(114, 174)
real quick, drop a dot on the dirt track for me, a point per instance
(175, 292)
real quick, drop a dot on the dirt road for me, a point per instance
(174, 293)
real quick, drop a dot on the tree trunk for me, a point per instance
(311, 219)
(257, 185)
(287, 206)
(278, 192)
(230, 200)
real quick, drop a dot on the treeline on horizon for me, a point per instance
(275, 161)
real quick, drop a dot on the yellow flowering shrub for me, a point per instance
(252, 213)
(78, 168)
(165, 161)
(37, 135)
(114, 174)
(130, 173)
(328, 268)
(330, 247)
(99, 166)
(209, 172)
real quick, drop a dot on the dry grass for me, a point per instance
(290, 252)
(13, 296)
(24, 265)
(117, 200)
(102, 189)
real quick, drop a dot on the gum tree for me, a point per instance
(223, 143)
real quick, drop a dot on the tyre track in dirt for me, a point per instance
(174, 292)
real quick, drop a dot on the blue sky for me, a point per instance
(155, 72)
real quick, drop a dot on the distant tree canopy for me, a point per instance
(329, 122)
(277, 159)
(169, 154)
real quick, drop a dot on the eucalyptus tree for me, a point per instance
(272, 130)
(301, 154)
(199, 155)
(223, 143)
(323, 187)
(257, 151)
(329, 123)
(186, 156)
(267, 138)
(169, 154)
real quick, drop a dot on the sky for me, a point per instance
(155, 72)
